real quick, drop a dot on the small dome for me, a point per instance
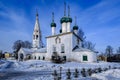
(63, 19)
(75, 27)
(69, 19)
(53, 24)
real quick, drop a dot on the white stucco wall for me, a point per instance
(64, 27)
(68, 26)
(21, 51)
(78, 56)
(65, 39)
(53, 30)
(37, 55)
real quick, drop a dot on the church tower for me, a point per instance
(66, 21)
(53, 25)
(37, 37)
(63, 20)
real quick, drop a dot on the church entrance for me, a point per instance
(85, 58)
(21, 57)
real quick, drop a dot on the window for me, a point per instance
(62, 48)
(36, 36)
(39, 57)
(35, 57)
(54, 49)
(85, 58)
(43, 58)
(57, 40)
(78, 41)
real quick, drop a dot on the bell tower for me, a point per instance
(37, 37)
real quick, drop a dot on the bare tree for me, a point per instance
(118, 50)
(27, 44)
(109, 51)
(17, 45)
(89, 45)
(81, 34)
(85, 44)
(0, 54)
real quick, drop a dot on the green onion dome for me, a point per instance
(69, 19)
(75, 27)
(60, 30)
(63, 19)
(53, 24)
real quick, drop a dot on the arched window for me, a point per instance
(43, 58)
(35, 57)
(54, 48)
(62, 48)
(36, 36)
(39, 57)
(57, 40)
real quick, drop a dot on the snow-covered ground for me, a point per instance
(113, 74)
(42, 70)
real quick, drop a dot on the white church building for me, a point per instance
(66, 44)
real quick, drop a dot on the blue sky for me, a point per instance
(99, 19)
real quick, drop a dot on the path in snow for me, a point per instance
(21, 74)
(30, 75)
(10, 65)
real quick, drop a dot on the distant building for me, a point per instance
(6, 55)
(65, 45)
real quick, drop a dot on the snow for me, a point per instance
(42, 70)
(113, 74)
(41, 50)
(82, 49)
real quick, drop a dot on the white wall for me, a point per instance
(64, 27)
(65, 39)
(53, 30)
(68, 26)
(37, 55)
(78, 56)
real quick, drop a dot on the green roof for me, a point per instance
(69, 19)
(75, 27)
(66, 19)
(53, 24)
(63, 19)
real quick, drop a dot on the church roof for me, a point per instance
(82, 49)
(78, 49)
(41, 50)
(30, 51)
(65, 34)
(59, 34)
(27, 51)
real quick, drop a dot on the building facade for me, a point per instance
(66, 44)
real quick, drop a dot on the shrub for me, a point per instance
(76, 73)
(83, 72)
(89, 71)
(68, 73)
